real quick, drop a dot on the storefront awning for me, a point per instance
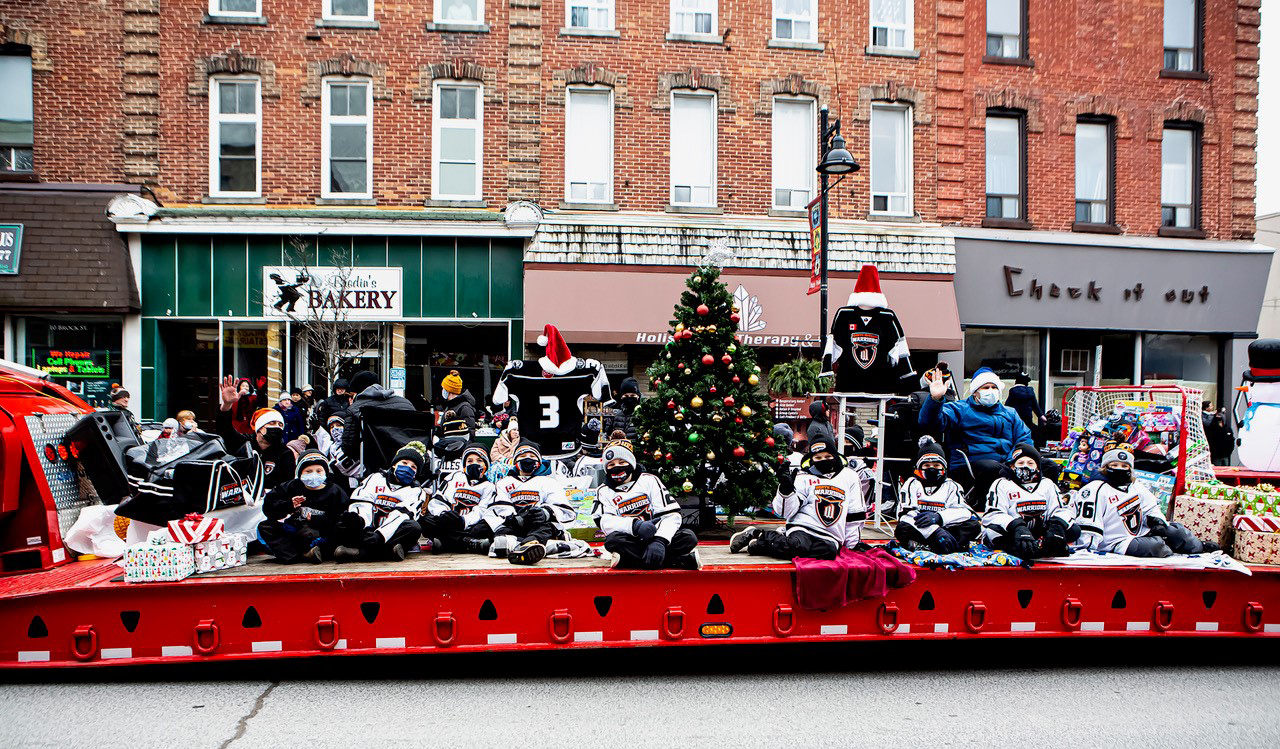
(635, 306)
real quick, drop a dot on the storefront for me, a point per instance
(66, 287)
(1112, 311)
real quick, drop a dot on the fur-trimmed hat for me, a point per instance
(265, 417)
(557, 360)
(985, 376)
(866, 292)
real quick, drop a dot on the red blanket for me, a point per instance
(851, 576)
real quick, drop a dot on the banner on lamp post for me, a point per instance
(814, 210)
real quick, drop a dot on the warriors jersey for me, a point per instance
(515, 495)
(868, 353)
(832, 508)
(1110, 518)
(1009, 501)
(947, 499)
(550, 408)
(384, 506)
(459, 495)
(616, 510)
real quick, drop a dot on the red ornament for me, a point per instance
(737, 420)
(726, 359)
(708, 360)
(728, 401)
(782, 459)
(736, 379)
(734, 317)
(768, 441)
(713, 389)
(671, 405)
(704, 310)
(680, 365)
(671, 456)
(738, 452)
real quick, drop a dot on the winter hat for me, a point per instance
(1264, 361)
(265, 416)
(119, 394)
(1022, 379)
(336, 417)
(341, 382)
(284, 397)
(307, 387)
(415, 452)
(170, 423)
(821, 444)
(629, 385)
(930, 450)
(1117, 454)
(452, 382)
(312, 458)
(362, 380)
(784, 432)
(558, 360)
(244, 381)
(984, 376)
(1023, 450)
(526, 449)
(478, 450)
(619, 450)
(866, 292)
(855, 437)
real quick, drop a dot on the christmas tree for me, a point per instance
(706, 432)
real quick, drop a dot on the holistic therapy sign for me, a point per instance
(332, 293)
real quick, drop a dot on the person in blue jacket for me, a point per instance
(979, 431)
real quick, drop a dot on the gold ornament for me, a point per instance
(711, 456)
(753, 380)
(688, 371)
(687, 486)
(735, 308)
(711, 328)
(647, 436)
(696, 279)
(680, 327)
(696, 402)
(745, 411)
(679, 417)
(716, 418)
(657, 454)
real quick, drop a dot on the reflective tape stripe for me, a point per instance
(174, 650)
(108, 653)
(940, 628)
(389, 642)
(32, 656)
(588, 636)
(1138, 626)
(267, 646)
(503, 639)
(904, 629)
(1271, 628)
(1206, 626)
(1022, 627)
(1092, 626)
(644, 634)
(342, 644)
(834, 629)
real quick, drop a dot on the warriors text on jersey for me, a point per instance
(1009, 501)
(515, 495)
(1110, 518)
(384, 505)
(616, 510)
(947, 499)
(832, 508)
(459, 495)
(549, 408)
(868, 352)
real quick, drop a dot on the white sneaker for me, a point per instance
(615, 559)
(739, 540)
(501, 546)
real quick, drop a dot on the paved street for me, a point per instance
(740, 697)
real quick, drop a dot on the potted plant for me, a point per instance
(796, 378)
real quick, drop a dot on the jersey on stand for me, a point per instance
(868, 352)
(550, 408)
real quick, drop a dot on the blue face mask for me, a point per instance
(989, 397)
(313, 480)
(405, 474)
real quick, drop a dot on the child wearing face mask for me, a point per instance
(455, 517)
(640, 521)
(824, 505)
(935, 516)
(381, 520)
(187, 423)
(531, 510)
(301, 513)
(1026, 515)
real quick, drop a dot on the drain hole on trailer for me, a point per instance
(1024, 598)
(715, 605)
(369, 610)
(488, 612)
(1118, 601)
(251, 619)
(1210, 597)
(926, 602)
(603, 604)
(130, 619)
(37, 627)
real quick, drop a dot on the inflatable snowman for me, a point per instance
(1259, 430)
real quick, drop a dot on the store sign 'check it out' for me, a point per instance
(332, 293)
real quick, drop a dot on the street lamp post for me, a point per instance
(835, 159)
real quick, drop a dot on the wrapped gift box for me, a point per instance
(150, 562)
(225, 551)
(195, 528)
(1257, 548)
(1257, 523)
(1208, 519)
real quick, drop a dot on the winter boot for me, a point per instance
(314, 555)
(502, 546)
(476, 545)
(397, 552)
(690, 561)
(739, 540)
(527, 553)
(346, 554)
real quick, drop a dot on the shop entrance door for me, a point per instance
(186, 371)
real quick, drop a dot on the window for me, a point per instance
(1179, 177)
(1093, 172)
(1004, 166)
(1182, 35)
(588, 151)
(693, 16)
(460, 11)
(235, 137)
(892, 22)
(891, 160)
(456, 141)
(17, 114)
(795, 20)
(590, 14)
(1005, 32)
(348, 139)
(241, 8)
(348, 10)
(794, 147)
(693, 149)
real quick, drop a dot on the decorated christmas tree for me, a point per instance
(706, 432)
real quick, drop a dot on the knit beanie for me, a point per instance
(452, 382)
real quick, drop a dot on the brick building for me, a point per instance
(500, 164)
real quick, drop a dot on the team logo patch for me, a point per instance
(865, 346)
(385, 502)
(525, 498)
(1128, 509)
(465, 499)
(828, 503)
(268, 466)
(232, 492)
(637, 506)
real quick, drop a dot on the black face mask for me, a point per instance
(474, 472)
(827, 467)
(617, 477)
(1026, 476)
(527, 466)
(1120, 478)
(933, 476)
(274, 435)
(629, 402)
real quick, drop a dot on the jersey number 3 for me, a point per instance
(550, 412)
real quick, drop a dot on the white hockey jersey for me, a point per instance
(616, 510)
(946, 499)
(471, 501)
(1110, 519)
(384, 505)
(833, 508)
(1008, 501)
(515, 494)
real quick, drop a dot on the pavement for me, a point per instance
(1006, 693)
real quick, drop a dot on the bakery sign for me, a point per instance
(332, 293)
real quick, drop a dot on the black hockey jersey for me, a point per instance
(868, 352)
(550, 408)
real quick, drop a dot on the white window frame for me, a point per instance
(215, 10)
(812, 18)
(715, 19)
(715, 146)
(608, 5)
(908, 156)
(435, 138)
(438, 14)
(1185, 59)
(908, 27)
(1193, 168)
(809, 156)
(327, 120)
(1020, 38)
(568, 103)
(327, 13)
(1020, 160)
(1107, 201)
(216, 118)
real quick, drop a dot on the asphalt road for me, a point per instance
(1129, 694)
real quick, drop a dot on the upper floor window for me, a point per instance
(17, 114)
(693, 149)
(1006, 32)
(794, 144)
(891, 158)
(239, 8)
(1182, 35)
(693, 16)
(1180, 177)
(1095, 165)
(347, 151)
(588, 145)
(590, 14)
(1004, 166)
(892, 22)
(457, 141)
(459, 11)
(348, 10)
(795, 20)
(235, 137)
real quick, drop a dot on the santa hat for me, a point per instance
(985, 376)
(266, 416)
(866, 292)
(558, 360)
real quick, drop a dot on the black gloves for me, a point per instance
(1021, 543)
(1055, 537)
(644, 529)
(450, 520)
(1157, 527)
(786, 479)
(655, 554)
(942, 542)
(926, 518)
(535, 515)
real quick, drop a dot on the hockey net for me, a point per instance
(1081, 405)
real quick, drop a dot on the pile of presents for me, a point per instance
(1243, 518)
(188, 546)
